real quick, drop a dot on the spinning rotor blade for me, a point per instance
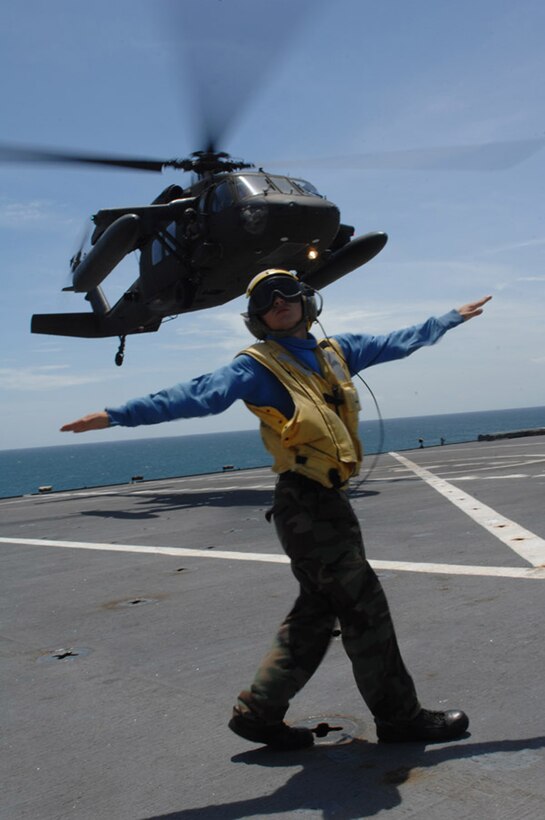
(16, 153)
(228, 49)
(488, 156)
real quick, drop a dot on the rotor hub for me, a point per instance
(208, 162)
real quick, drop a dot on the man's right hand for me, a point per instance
(94, 421)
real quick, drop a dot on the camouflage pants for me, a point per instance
(320, 533)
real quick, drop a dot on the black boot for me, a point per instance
(427, 727)
(276, 735)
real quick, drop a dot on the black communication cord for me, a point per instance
(365, 477)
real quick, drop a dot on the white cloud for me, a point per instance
(43, 378)
(513, 246)
(47, 350)
(217, 331)
(32, 213)
(517, 280)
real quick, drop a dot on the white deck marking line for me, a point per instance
(270, 558)
(525, 543)
(217, 490)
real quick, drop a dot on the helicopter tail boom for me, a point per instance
(88, 325)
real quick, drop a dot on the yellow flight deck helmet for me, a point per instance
(261, 293)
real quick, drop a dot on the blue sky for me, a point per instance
(354, 77)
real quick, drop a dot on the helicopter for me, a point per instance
(201, 245)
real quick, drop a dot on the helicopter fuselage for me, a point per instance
(199, 248)
(238, 226)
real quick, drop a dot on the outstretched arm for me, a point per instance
(206, 395)
(362, 350)
(473, 308)
(94, 421)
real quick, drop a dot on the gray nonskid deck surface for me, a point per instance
(120, 667)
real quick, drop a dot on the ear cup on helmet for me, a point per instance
(311, 307)
(257, 328)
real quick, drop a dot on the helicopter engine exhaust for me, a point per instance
(117, 240)
(351, 256)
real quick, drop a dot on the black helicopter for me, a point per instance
(200, 246)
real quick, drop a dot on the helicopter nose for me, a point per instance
(310, 220)
(298, 219)
(254, 217)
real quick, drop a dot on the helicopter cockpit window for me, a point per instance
(285, 185)
(307, 187)
(222, 197)
(252, 185)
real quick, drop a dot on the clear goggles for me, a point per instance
(265, 292)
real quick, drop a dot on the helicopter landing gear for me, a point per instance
(120, 355)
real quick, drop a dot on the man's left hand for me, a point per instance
(473, 308)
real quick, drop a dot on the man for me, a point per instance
(301, 390)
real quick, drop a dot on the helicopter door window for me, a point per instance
(222, 197)
(156, 252)
(170, 238)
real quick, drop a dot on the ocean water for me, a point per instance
(72, 466)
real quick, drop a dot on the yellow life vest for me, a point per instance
(320, 440)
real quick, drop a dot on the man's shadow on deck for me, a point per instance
(349, 781)
(153, 505)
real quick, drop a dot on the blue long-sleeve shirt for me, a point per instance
(244, 378)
